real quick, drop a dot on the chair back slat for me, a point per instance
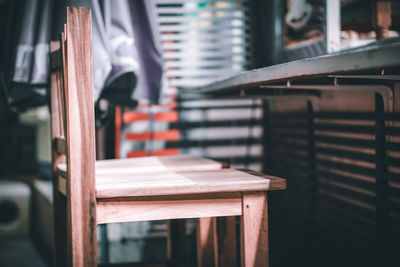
(55, 88)
(73, 128)
(59, 201)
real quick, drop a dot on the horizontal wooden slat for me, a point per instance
(276, 183)
(177, 183)
(126, 210)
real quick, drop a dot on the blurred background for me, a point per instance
(335, 210)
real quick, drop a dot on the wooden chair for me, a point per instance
(88, 193)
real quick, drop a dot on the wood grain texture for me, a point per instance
(275, 183)
(254, 230)
(207, 248)
(55, 98)
(80, 138)
(59, 201)
(63, 81)
(176, 183)
(168, 207)
(63, 125)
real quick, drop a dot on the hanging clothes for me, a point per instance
(134, 49)
(25, 77)
(127, 62)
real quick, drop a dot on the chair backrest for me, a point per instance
(73, 127)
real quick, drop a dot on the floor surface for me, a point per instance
(19, 253)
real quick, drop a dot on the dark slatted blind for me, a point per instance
(343, 177)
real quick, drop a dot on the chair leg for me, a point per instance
(60, 227)
(81, 233)
(176, 241)
(254, 230)
(207, 250)
(226, 230)
(81, 240)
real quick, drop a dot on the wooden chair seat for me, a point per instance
(128, 181)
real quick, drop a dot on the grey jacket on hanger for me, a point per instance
(127, 62)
